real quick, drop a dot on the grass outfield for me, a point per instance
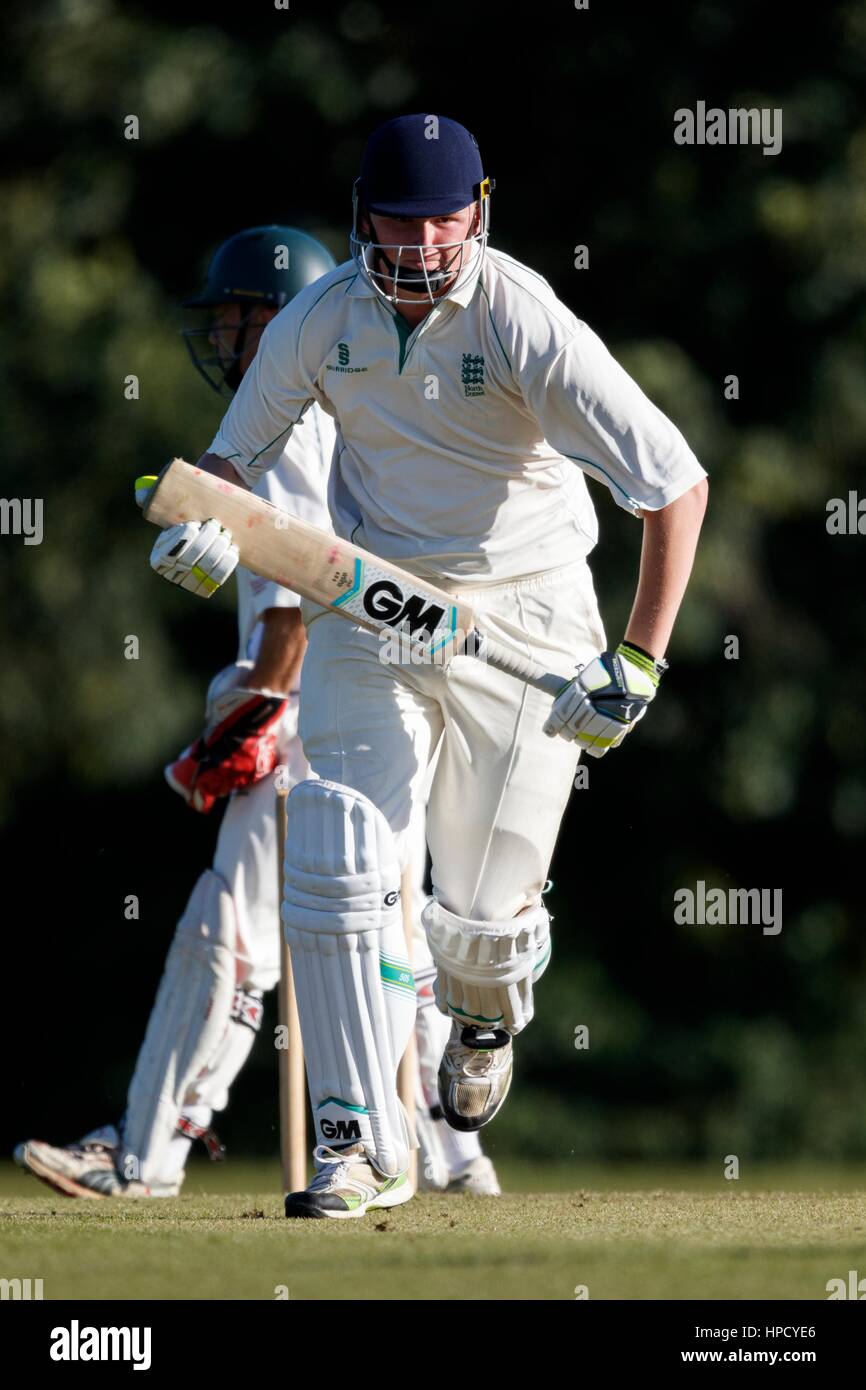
(632, 1232)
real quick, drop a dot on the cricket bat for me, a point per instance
(334, 573)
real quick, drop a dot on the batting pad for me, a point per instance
(188, 1025)
(343, 921)
(486, 970)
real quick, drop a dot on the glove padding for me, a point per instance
(197, 555)
(238, 746)
(606, 699)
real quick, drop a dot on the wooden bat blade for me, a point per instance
(317, 565)
(333, 572)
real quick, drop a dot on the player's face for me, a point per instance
(227, 320)
(429, 241)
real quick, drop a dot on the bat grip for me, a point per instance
(523, 668)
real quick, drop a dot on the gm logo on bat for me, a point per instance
(386, 602)
(377, 598)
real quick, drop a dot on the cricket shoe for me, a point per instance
(346, 1185)
(478, 1178)
(474, 1075)
(86, 1169)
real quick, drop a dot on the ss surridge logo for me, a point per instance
(342, 362)
(472, 374)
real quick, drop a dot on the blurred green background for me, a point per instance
(704, 262)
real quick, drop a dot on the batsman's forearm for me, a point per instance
(281, 653)
(212, 463)
(670, 538)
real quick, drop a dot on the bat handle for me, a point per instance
(521, 667)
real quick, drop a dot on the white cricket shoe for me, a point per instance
(346, 1185)
(86, 1169)
(474, 1075)
(478, 1178)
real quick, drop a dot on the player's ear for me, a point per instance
(261, 314)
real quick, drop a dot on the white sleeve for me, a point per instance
(270, 400)
(298, 484)
(590, 410)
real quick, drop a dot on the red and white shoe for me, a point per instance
(86, 1169)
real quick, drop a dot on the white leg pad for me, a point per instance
(188, 1026)
(486, 970)
(210, 1087)
(356, 996)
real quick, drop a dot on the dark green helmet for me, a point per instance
(262, 265)
(269, 265)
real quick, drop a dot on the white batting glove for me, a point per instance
(197, 555)
(606, 699)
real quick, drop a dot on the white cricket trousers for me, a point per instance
(500, 785)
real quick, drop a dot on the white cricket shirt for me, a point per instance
(298, 483)
(462, 444)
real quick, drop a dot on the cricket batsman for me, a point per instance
(470, 407)
(225, 956)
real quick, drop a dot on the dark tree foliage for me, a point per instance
(705, 263)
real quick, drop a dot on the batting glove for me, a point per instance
(606, 699)
(197, 555)
(239, 745)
